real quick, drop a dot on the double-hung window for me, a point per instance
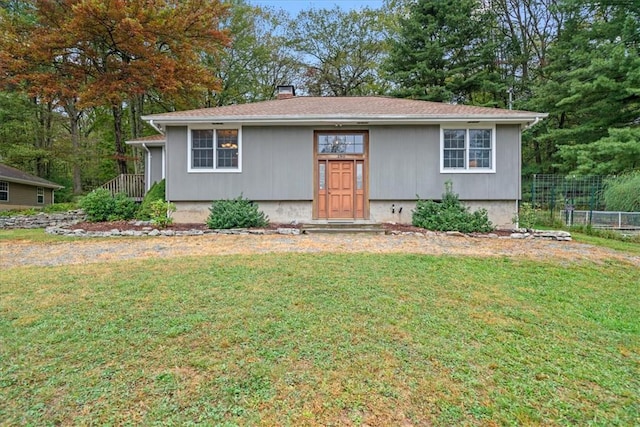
(40, 195)
(467, 149)
(214, 150)
(4, 191)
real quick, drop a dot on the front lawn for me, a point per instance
(321, 340)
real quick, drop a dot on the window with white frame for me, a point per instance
(467, 149)
(216, 150)
(40, 195)
(4, 191)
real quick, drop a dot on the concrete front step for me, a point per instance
(343, 228)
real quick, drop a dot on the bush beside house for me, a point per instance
(450, 214)
(235, 213)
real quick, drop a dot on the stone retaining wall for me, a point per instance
(151, 231)
(43, 220)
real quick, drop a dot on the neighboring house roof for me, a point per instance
(151, 140)
(11, 174)
(345, 110)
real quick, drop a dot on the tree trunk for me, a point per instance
(43, 139)
(74, 130)
(121, 150)
(76, 155)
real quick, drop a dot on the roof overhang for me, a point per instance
(341, 120)
(146, 143)
(32, 183)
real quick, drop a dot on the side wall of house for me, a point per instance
(155, 165)
(25, 196)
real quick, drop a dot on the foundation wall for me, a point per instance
(501, 212)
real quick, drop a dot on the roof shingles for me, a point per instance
(8, 173)
(370, 107)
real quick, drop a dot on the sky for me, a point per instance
(295, 6)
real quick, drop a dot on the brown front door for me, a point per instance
(341, 178)
(340, 189)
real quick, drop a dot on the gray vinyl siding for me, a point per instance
(405, 162)
(25, 195)
(155, 164)
(277, 164)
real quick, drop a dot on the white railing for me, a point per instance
(603, 219)
(130, 184)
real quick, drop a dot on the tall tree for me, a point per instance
(445, 51)
(590, 85)
(340, 50)
(256, 60)
(86, 53)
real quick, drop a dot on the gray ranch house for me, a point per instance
(21, 190)
(344, 159)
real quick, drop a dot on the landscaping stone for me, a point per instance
(288, 231)
(43, 220)
(557, 235)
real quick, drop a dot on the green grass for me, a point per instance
(623, 246)
(321, 340)
(36, 235)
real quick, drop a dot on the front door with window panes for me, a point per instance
(340, 175)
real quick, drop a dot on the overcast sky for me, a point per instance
(295, 6)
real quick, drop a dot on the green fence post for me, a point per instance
(533, 191)
(591, 203)
(553, 198)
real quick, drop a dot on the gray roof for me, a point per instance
(11, 174)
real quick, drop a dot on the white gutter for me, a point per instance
(535, 122)
(52, 186)
(153, 125)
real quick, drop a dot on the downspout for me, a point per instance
(535, 122)
(147, 171)
(153, 125)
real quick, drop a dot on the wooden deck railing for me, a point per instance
(130, 184)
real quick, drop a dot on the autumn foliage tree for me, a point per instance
(89, 53)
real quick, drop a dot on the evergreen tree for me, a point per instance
(591, 85)
(445, 51)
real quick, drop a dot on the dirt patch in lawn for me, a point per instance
(92, 250)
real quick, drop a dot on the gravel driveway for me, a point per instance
(21, 253)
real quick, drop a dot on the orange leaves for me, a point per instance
(107, 51)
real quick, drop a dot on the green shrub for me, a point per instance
(156, 192)
(161, 213)
(235, 213)
(123, 207)
(97, 205)
(100, 205)
(623, 193)
(59, 207)
(527, 216)
(450, 214)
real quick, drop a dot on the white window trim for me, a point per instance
(7, 191)
(214, 169)
(466, 127)
(38, 190)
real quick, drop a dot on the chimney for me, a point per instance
(285, 91)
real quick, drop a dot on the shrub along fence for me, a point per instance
(575, 200)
